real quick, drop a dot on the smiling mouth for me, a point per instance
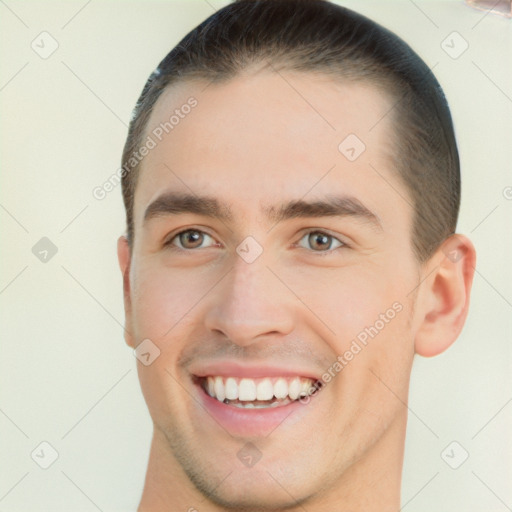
(258, 393)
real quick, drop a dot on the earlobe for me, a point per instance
(124, 258)
(445, 296)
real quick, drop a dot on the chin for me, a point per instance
(254, 492)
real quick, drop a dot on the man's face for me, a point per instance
(216, 307)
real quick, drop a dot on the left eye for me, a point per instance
(190, 239)
(320, 241)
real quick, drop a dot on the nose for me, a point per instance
(250, 303)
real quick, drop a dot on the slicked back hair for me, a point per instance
(322, 37)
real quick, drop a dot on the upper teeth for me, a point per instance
(266, 388)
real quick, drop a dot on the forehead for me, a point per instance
(267, 137)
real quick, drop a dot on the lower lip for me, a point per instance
(251, 422)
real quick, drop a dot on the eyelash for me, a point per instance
(343, 245)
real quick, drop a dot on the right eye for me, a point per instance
(189, 239)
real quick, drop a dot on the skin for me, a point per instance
(254, 142)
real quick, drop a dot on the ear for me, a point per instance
(124, 257)
(445, 296)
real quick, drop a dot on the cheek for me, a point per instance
(163, 302)
(368, 311)
(371, 378)
(377, 360)
(163, 299)
(350, 300)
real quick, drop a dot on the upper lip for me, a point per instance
(236, 369)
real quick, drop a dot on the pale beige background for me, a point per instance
(66, 376)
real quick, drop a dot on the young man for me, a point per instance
(291, 182)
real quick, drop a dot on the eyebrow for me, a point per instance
(172, 203)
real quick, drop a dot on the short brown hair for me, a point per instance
(318, 36)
